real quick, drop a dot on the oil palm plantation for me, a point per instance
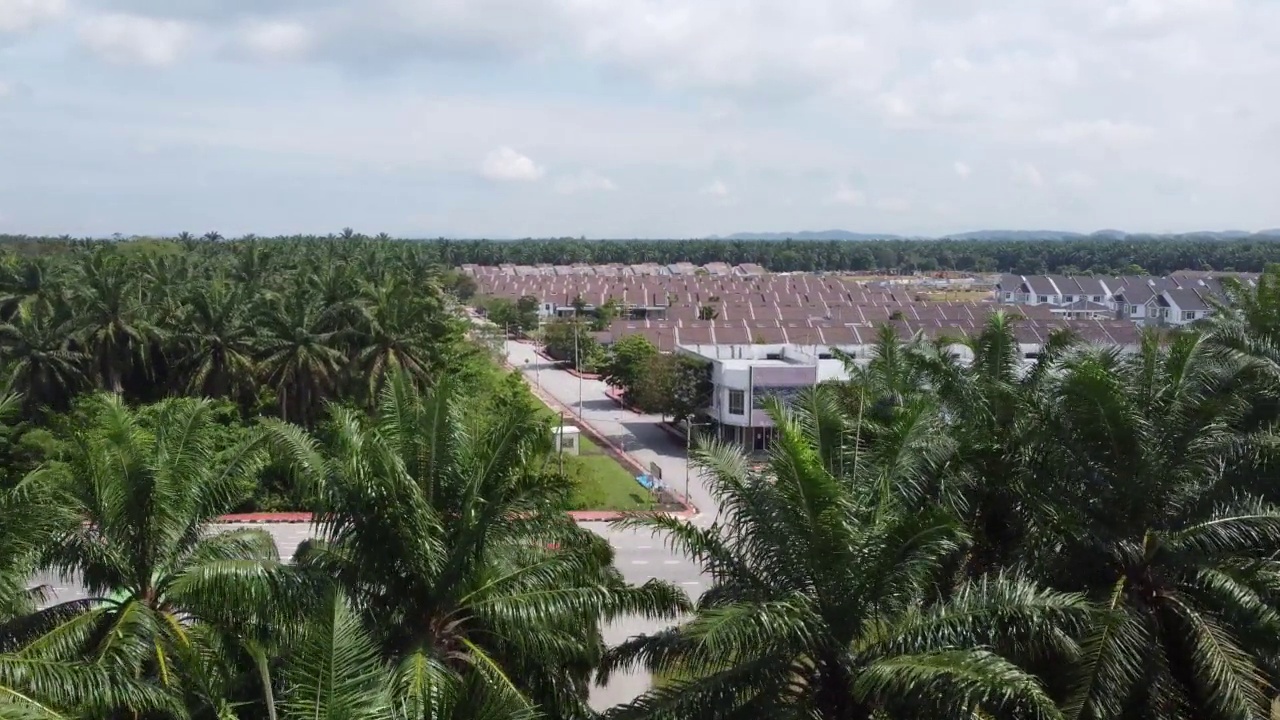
(449, 539)
(826, 600)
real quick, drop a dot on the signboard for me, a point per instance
(655, 470)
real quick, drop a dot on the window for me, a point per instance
(737, 402)
(1188, 314)
(1008, 296)
(1068, 298)
(1097, 298)
(1133, 309)
(1042, 298)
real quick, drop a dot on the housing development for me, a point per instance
(769, 335)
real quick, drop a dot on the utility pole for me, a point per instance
(577, 360)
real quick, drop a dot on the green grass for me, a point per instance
(602, 483)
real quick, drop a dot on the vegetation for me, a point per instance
(675, 385)
(1133, 254)
(1094, 536)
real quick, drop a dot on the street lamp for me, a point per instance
(688, 452)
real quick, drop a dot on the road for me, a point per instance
(636, 433)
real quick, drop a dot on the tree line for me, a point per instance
(1133, 254)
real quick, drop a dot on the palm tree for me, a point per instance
(113, 328)
(216, 343)
(824, 603)
(435, 525)
(41, 363)
(297, 356)
(398, 330)
(1167, 534)
(148, 483)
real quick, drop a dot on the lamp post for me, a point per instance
(688, 452)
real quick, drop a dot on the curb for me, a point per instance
(572, 371)
(614, 396)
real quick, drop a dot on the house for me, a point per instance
(1182, 306)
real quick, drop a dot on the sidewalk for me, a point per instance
(639, 435)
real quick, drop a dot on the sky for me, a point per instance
(637, 118)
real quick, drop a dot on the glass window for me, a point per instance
(737, 402)
(1043, 298)
(1188, 314)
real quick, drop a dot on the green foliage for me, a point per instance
(628, 360)
(570, 340)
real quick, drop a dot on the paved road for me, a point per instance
(637, 434)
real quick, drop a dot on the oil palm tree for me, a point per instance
(215, 343)
(824, 602)
(435, 525)
(1167, 536)
(398, 330)
(298, 357)
(113, 328)
(41, 362)
(147, 484)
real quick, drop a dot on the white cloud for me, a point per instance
(963, 171)
(136, 39)
(847, 195)
(276, 40)
(5, 89)
(585, 181)
(18, 16)
(716, 188)
(1027, 174)
(506, 165)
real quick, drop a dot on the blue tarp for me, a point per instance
(645, 481)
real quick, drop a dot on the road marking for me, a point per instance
(670, 562)
(690, 582)
(644, 547)
(639, 562)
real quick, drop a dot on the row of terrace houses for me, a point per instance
(1178, 299)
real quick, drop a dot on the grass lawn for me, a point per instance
(602, 484)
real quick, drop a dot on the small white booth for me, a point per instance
(567, 439)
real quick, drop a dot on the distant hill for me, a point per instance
(807, 235)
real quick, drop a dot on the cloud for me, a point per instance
(1027, 174)
(585, 181)
(276, 40)
(504, 164)
(716, 188)
(17, 16)
(846, 195)
(135, 39)
(6, 89)
(382, 99)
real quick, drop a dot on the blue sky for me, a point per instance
(624, 118)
